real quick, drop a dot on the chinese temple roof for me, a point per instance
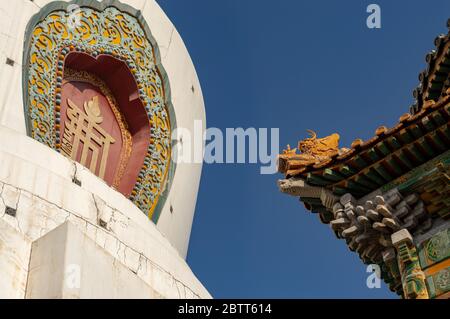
(367, 165)
(418, 137)
(393, 185)
(435, 79)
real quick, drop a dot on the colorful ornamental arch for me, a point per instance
(97, 30)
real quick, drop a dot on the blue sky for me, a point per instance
(294, 65)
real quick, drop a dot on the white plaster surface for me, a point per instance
(14, 256)
(188, 105)
(37, 182)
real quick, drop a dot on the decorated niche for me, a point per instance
(96, 92)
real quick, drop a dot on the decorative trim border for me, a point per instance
(155, 177)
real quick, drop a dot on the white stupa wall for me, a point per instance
(37, 181)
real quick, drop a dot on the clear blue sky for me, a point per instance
(293, 65)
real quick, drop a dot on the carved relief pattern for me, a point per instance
(109, 32)
(435, 249)
(413, 278)
(438, 247)
(443, 280)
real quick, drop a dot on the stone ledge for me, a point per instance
(45, 200)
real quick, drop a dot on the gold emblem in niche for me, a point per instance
(86, 77)
(83, 134)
